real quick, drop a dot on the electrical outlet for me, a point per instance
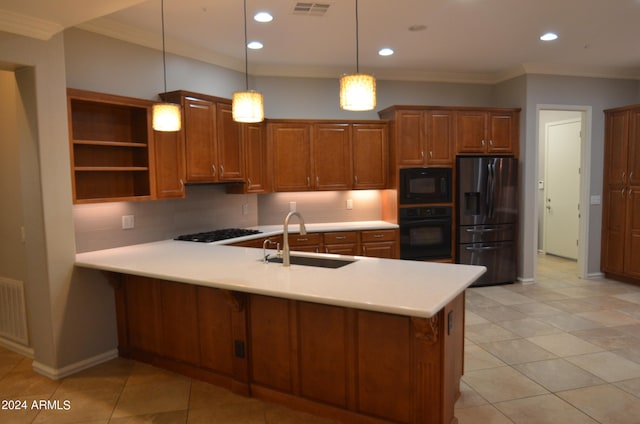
(349, 204)
(127, 222)
(292, 206)
(245, 209)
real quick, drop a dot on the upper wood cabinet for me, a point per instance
(257, 159)
(421, 137)
(169, 161)
(331, 156)
(487, 132)
(214, 151)
(370, 153)
(621, 195)
(111, 147)
(323, 155)
(290, 146)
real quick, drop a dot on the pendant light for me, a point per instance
(357, 91)
(247, 106)
(166, 116)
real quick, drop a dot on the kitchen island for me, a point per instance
(374, 341)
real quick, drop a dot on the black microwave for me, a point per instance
(425, 185)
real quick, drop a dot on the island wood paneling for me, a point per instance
(347, 364)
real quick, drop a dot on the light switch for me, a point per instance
(292, 206)
(540, 185)
(127, 222)
(595, 199)
(349, 204)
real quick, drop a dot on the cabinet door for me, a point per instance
(470, 131)
(290, 145)
(439, 137)
(633, 163)
(256, 155)
(616, 145)
(370, 153)
(169, 152)
(199, 128)
(632, 242)
(613, 231)
(500, 132)
(229, 144)
(332, 156)
(409, 138)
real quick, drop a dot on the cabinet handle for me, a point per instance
(326, 250)
(355, 177)
(317, 181)
(430, 154)
(221, 170)
(422, 154)
(308, 181)
(624, 177)
(213, 170)
(341, 237)
(181, 185)
(483, 142)
(623, 190)
(249, 181)
(630, 191)
(631, 177)
(302, 239)
(378, 235)
(364, 251)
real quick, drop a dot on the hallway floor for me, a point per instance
(564, 350)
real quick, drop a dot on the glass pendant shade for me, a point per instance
(247, 106)
(167, 117)
(358, 92)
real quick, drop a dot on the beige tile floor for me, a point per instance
(563, 350)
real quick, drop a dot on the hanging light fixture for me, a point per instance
(166, 116)
(357, 91)
(247, 106)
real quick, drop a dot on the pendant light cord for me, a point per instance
(246, 60)
(164, 54)
(357, 42)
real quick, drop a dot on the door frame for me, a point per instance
(585, 178)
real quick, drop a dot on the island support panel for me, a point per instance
(348, 364)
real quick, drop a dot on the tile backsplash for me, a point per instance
(208, 207)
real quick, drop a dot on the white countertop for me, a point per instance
(386, 285)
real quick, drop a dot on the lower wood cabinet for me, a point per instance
(351, 365)
(372, 243)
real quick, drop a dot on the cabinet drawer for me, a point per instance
(305, 240)
(340, 237)
(378, 235)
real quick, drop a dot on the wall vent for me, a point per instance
(13, 315)
(310, 9)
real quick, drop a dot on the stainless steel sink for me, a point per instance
(314, 261)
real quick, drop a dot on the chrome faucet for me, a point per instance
(285, 231)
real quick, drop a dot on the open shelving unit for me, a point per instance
(111, 144)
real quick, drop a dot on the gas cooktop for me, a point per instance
(217, 235)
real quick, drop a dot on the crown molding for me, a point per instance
(28, 26)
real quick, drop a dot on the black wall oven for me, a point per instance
(425, 232)
(425, 185)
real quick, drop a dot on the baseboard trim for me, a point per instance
(58, 373)
(594, 275)
(16, 347)
(526, 280)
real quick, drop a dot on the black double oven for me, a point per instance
(425, 213)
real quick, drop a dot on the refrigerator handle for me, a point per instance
(490, 188)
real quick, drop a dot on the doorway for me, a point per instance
(562, 199)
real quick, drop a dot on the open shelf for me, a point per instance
(110, 143)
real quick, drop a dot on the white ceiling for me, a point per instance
(464, 40)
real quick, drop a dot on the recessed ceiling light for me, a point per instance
(549, 36)
(263, 17)
(385, 51)
(255, 45)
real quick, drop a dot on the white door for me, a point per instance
(562, 189)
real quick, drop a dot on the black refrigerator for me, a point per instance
(487, 214)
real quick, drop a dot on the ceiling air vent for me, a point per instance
(310, 9)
